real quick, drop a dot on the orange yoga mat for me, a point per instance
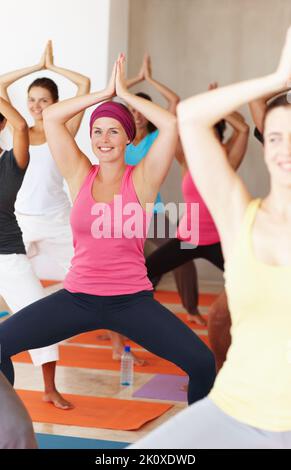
(48, 282)
(172, 297)
(93, 337)
(108, 413)
(101, 358)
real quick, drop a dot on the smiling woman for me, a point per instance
(107, 285)
(114, 130)
(249, 405)
(42, 205)
(277, 143)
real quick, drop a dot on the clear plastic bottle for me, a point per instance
(126, 368)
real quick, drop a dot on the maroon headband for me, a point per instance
(116, 111)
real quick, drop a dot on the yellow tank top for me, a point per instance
(254, 384)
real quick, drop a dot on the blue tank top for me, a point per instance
(135, 153)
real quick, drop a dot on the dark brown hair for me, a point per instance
(220, 127)
(151, 127)
(277, 102)
(48, 84)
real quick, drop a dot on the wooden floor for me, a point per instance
(101, 383)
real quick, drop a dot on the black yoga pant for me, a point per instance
(172, 255)
(186, 275)
(137, 316)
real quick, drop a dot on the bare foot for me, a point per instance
(140, 362)
(197, 318)
(57, 400)
(116, 356)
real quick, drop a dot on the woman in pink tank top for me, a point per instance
(197, 235)
(107, 285)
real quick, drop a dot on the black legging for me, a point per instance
(171, 255)
(136, 316)
(186, 275)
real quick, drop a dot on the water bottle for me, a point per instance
(126, 369)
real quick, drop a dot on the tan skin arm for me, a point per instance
(72, 162)
(197, 116)
(150, 173)
(20, 133)
(9, 78)
(170, 96)
(82, 83)
(237, 144)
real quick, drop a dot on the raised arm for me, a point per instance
(20, 133)
(207, 158)
(171, 97)
(258, 108)
(72, 162)
(137, 78)
(8, 78)
(150, 173)
(237, 144)
(82, 83)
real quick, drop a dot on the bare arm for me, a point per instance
(72, 162)
(237, 144)
(171, 97)
(150, 173)
(130, 82)
(20, 133)
(8, 78)
(82, 83)
(205, 155)
(258, 108)
(180, 157)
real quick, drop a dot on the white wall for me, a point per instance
(118, 30)
(79, 30)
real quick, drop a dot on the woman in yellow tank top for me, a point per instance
(250, 403)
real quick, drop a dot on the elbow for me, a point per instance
(176, 100)
(245, 129)
(188, 113)
(169, 125)
(85, 85)
(172, 122)
(47, 114)
(21, 126)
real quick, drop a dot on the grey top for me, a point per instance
(11, 177)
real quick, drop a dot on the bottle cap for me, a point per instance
(127, 348)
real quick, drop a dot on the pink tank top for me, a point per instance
(108, 241)
(196, 226)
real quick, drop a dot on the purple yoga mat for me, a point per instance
(164, 387)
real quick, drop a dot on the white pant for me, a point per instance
(49, 243)
(20, 287)
(204, 425)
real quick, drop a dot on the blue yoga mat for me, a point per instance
(3, 314)
(50, 441)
